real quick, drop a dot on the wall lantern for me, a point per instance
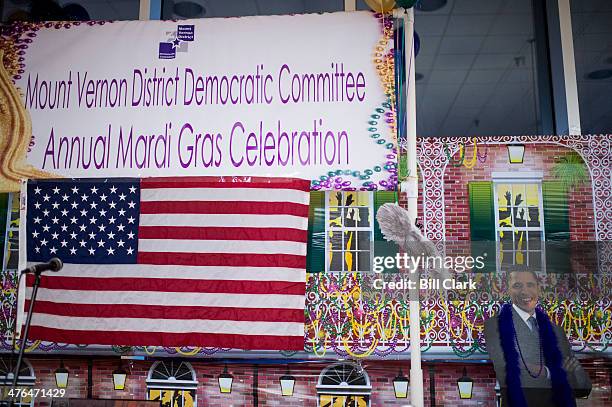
(465, 385)
(119, 378)
(225, 381)
(61, 376)
(516, 153)
(287, 382)
(400, 385)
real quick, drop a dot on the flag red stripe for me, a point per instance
(254, 342)
(224, 207)
(207, 182)
(222, 233)
(164, 312)
(219, 307)
(170, 285)
(223, 259)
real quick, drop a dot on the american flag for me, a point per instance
(170, 261)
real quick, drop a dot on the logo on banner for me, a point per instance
(176, 41)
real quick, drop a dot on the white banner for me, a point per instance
(301, 96)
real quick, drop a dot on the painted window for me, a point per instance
(519, 225)
(9, 228)
(344, 385)
(173, 383)
(173, 398)
(349, 231)
(10, 240)
(334, 218)
(26, 380)
(331, 400)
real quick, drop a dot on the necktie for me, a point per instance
(531, 321)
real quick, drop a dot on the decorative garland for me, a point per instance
(343, 317)
(451, 160)
(476, 156)
(474, 160)
(339, 179)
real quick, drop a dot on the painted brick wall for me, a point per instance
(45, 377)
(540, 157)
(381, 374)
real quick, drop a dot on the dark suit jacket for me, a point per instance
(538, 391)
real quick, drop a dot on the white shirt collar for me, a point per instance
(524, 315)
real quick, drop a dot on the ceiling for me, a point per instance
(592, 30)
(97, 9)
(476, 57)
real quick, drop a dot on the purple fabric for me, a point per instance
(562, 392)
(516, 398)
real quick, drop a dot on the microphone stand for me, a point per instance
(37, 275)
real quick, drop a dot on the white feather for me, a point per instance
(397, 226)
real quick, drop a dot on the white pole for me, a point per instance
(569, 67)
(144, 10)
(410, 187)
(350, 5)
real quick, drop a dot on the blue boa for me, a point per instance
(563, 395)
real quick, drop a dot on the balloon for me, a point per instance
(381, 6)
(406, 3)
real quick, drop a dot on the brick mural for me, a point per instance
(258, 385)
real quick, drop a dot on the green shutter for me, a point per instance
(315, 259)
(482, 223)
(556, 227)
(3, 212)
(382, 247)
(381, 198)
(556, 211)
(482, 218)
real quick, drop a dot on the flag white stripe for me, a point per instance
(225, 195)
(239, 286)
(285, 301)
(221, 246)
(225, 220)
(182, 272)
(168, 325)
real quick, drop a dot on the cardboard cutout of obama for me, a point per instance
(531, 355)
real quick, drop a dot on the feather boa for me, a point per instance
(397, 226)
(562, 392)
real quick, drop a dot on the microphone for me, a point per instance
(54, 264)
